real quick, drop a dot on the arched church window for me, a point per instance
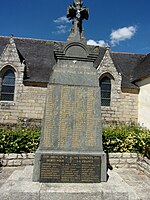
(105, 85)
(7, 86)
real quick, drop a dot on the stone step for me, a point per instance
(19, 186)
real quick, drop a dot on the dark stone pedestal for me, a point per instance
(70, 167)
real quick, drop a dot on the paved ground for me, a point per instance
(131, 179)
(139, 182)
(5, 173)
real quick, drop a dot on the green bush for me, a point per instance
(127, 137)
(19, 139)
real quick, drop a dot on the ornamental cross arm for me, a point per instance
(76, 11)
(71, 12)
(84, 13)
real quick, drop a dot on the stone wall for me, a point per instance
(29, 101)
(14, 160)
(117, 160)
(123, 108)
(29, 104)
(124, 103)
(143, 164)
(126, 160)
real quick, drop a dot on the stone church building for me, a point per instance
(26, 65)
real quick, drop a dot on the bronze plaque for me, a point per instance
(70, 169)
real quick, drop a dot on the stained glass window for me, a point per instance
(105, 84)
(8, 86)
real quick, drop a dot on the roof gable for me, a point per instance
(10, 53)
(39, 59)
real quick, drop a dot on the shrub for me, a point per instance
(19, 139)
(126, 137)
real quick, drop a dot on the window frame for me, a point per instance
(2, 74)
(106, 101)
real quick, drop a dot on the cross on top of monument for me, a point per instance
(77, 13)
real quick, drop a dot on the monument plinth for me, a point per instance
(70, 148)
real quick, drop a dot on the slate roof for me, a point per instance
(125, 63)
(102, 51)
(3, 42)
(142, 70)
(39, 57)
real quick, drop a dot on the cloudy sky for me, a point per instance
(124, 25)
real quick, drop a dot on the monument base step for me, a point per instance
(20, 186)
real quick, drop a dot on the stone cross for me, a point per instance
(77, 13)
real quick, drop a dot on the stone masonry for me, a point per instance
(30, 105)
(122, 103)
(29, 101)
(117, 160)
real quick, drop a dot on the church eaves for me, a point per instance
(39, 58)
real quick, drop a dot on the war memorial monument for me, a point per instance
(70, 149)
